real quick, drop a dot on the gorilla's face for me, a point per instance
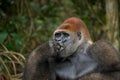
(65, 43)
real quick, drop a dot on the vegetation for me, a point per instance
(24, 24)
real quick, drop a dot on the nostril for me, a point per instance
(57, 39)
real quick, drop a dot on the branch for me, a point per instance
(31, 25)
(92, 11)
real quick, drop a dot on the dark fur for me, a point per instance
(37, 65)
(109, 59)
(106, 55)
(41, 66)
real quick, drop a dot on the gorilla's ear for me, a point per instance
(79, 35)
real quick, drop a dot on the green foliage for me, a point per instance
(3, 36)
(26, 23)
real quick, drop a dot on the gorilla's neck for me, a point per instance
(83, 47)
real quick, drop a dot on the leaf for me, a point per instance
(34, 6)
(20, 19)
(3, 36)
(16, 38)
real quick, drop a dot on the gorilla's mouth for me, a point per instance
(59, 48)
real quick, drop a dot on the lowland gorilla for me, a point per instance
(72, 55)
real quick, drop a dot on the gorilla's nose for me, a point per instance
(58, 37)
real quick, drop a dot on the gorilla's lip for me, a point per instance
(60, 48)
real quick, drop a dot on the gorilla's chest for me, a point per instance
(75, 67)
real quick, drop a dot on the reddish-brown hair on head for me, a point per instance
(75, 25)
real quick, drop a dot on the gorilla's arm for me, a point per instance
(109, 61)
(37, 65)
(102, 76)
(106, 55)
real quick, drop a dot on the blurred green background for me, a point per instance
(25, 24)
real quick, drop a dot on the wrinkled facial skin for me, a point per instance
(65, 43)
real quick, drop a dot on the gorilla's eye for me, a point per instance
(57, 34)
(65, 34)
